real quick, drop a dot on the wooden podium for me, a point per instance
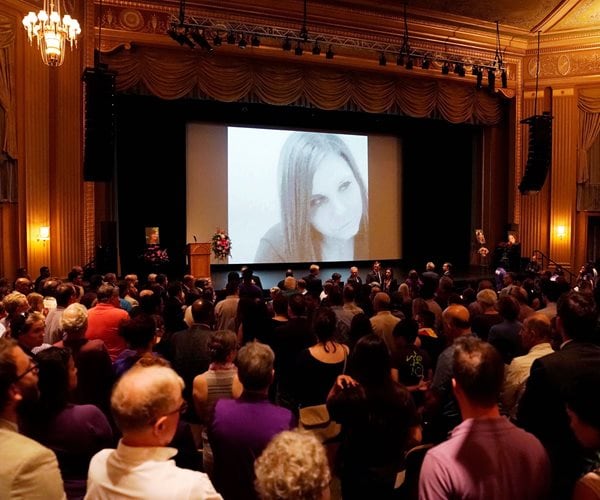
(199, 259)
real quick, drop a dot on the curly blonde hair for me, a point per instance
(293, 466)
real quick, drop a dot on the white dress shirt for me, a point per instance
(144, 473)
(517, 373)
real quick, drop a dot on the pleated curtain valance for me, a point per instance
(171, 75)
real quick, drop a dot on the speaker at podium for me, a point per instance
(199, 259)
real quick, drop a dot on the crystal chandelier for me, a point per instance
(51, 32)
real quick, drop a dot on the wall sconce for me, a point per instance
(561, 232)
(44, 234)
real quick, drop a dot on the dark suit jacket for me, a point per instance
(190, 354)
(542, 410)
(314, 285)
(373, 276)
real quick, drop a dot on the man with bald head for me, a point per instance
(441, 408)
(146, 404)
(384, 321)
(189, 347)
(535, 336)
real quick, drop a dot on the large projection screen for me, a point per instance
(288, 196)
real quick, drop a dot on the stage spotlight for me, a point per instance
(217, 40)
(400, 60)
(242, 43)
(491, 81)
(231, 38)
(255, 42)
(504, 79)
(382, 60)
(479, 78)
(445, 68)
(316, 50)
(179, 34)
(425, 63)
(474, 70)
(298, 50)
(329, 54)
(459, 69)
(287, 45)
(409, 63)
(201, 40)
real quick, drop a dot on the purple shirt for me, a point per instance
(486, 458)
(238, 433)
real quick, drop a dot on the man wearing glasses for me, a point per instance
(27, 469)
(146, 404)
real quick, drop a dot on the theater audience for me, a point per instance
(28, 330)
(506, 335)
(288, 341)
(542, 407)
(488, 315)
(486, 456)
(146, 404)
(104, 320)
(219, 381)
(189, 347)
(139, 333)
(584, 414)
(94, 367)
(74, 433)
(360, 326)
(226, 309)
(318, 366)
(65, 295)
(27, 469)
(441, 410)
(535, 336)
(379, 422)
(293, 466)
(384, 321)
(241, 428)
(411, 365)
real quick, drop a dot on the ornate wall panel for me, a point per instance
(535, 218)
(563, 175)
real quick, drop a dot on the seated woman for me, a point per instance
(74, 432)
(220, 381)
(379, 422)
(323, 203)
(318, 366)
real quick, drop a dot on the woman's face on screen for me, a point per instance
(336, 203)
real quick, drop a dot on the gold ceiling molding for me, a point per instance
(564, 66)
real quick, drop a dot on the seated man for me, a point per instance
(27, 469)
(241, 428)
(486, 456)
(146, 405)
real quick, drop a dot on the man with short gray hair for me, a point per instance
(241, 429)
(146, 404)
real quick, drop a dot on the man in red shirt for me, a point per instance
(105, 319)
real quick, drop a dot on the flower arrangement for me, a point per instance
(483, 251)
(221, 244)
(156, 256)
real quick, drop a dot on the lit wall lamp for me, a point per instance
(561, 232)
(44, 234)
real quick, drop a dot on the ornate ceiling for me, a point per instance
(528, 15)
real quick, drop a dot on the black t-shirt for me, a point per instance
(412, 364)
